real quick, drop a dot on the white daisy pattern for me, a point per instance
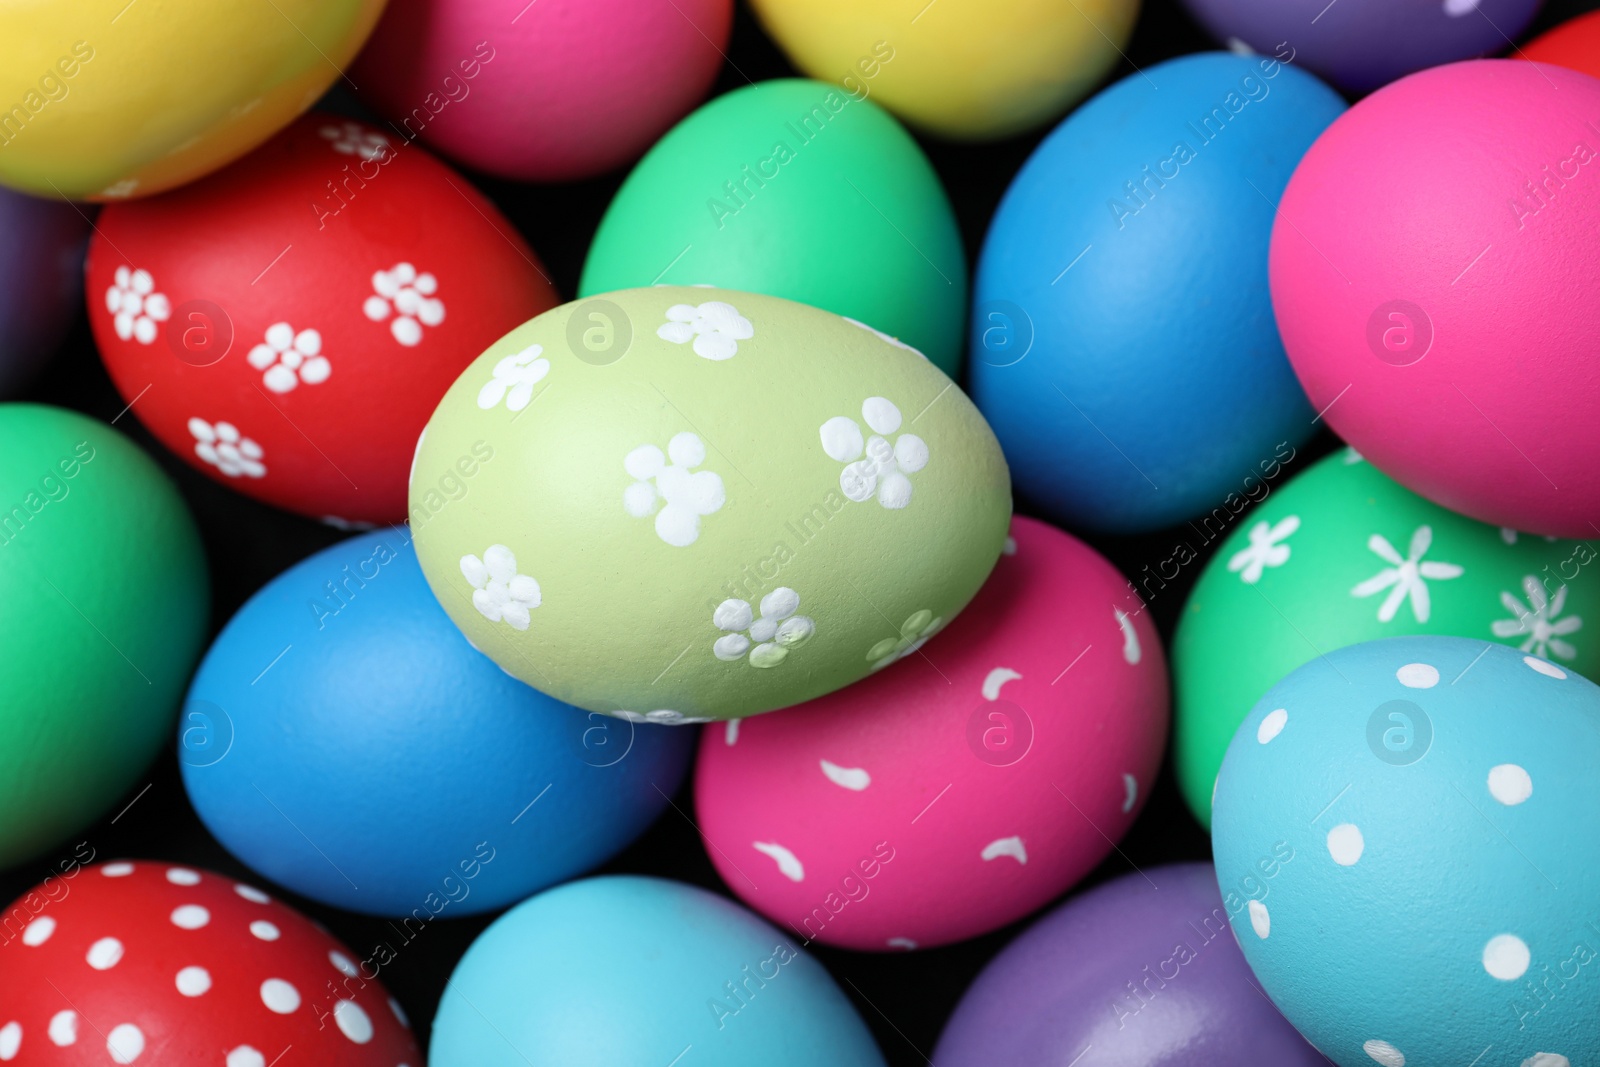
(514, 378)
(1405, 578)
(498, 592)
(288, 358)
(715, 327)
(914, 633)
(354, 139)
(1540, 619)
(136, 308)
(225, 448)
(767, 639)
(880, 335)
(688, 494)
(409, 297)
(883, 470)
(1266, 549)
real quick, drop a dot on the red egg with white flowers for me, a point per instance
(288, 324)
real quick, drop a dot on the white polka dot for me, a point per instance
(1510, 784)
(399, 1012)
(1384, 1053)
(182, 876)
(1260, 920)
(1272, 725)
(64, 1027)
(1506, 957)
(1418, 676)
(193, 981)
(1544, 667)
(245, 1056)
(1345, 844)
(254, 895)
(117, 870)
(190, 916)
(10, 1040)
(104, 953)
(264, 930)
(353, 1022)
(125, 1043)
(1547, 1059)
(342, 963)
(38, 931)
(280, 996)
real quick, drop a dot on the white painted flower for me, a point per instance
(120, 190)
(498, 592)
(514, 379)
(688, 493)
(715, 327)
(880, 335)
(222, 446)
(1540, 619)
(883, 469)
(1265, 549)
(914, 633)
(135, 306)
(769, 638)
(289, 358)
(661, 717)
(409, 296)
(1405, 575)
(354, 139)
(1509, 536)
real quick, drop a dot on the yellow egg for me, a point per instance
(109, 99)
(964, 69)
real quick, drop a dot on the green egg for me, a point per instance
(103, 605)
(1342, 554)
(796, 189)
(682, 504)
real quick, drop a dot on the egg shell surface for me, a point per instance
(41, 282)
(1438, 279)
(1440, 798)
(679, 523)
(1575, 44)
(1123, 346)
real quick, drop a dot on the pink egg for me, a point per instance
(962, 787)
(551, 90)
(1434, 268)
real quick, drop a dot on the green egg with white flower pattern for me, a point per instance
(681, 504)
(1342, 554)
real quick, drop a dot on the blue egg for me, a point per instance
(1123, 343)
(344, 740)
(1439, 802)
(633, 970)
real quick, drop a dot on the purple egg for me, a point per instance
(1139, 972)
(41, 279)
(1360, 45)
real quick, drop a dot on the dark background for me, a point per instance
(904, 998)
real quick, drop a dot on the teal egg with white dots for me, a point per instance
(1407, 838)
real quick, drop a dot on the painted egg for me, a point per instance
(1458, 364)
(103, 602)
(147, 963)
(338, 684)
(1122, 338)
(626, 969)
(1575, 43)
(1020, 64)
(704, 504)
(801, 190)
(105, 99)
(1340, 555)
(1436, 792)
(287, 326)
(552, 91)
(1362, 44)
(41, 282)
(950, 794)
(1155, 978)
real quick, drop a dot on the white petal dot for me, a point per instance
(1544, 667)
(1345, 844)
(10, 1039)
(252, 894)
(1506, 957)
(121, 870)
(1510, 784)
(245, 1056)
(1272, 725)
(1384, 1053)
(342, 964)
(64, 1027)
(264, 930)
(279, 996)
(1547, 1059)
(1260, 919)
(1418, 676)
(190, 916)
(104, 953)
(353, 1022)
(125, 1043)
(193, 981)
(38, 932)
(182, 876)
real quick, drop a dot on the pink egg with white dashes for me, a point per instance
(972, 779)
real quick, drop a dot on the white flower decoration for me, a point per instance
(777, 630)
(410, 296)
(354, 139)
(289, 358)
(715, 327)
(688, 493)
(882, 336)
(120, 190)
(661, 717)
(1540, 619)
(914, 633)
(1264, 550)
(135, 306)
(883, 470)
(1406, 575)
(223, 447)
(515, 375)
(498, 592)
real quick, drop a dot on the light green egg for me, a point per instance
(684, 504)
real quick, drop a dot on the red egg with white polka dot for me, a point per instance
(147, 963)
(288, 324)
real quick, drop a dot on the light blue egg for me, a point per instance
(1407, 838)
(1123, 342)
(633, 970)
(343, 739)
